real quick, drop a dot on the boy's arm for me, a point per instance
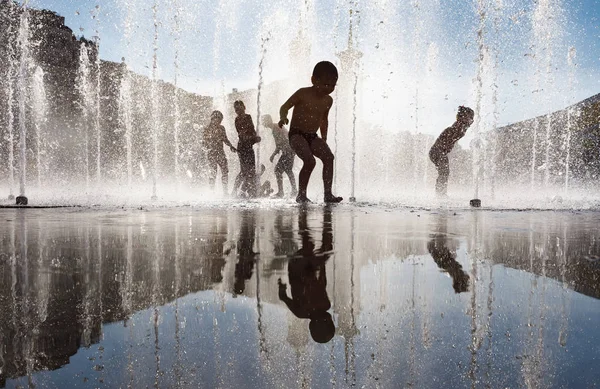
(225, 139)
(325, 120)
(283, 293)
(283, 111)
(277, 150)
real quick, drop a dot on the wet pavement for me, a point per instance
(299, 297)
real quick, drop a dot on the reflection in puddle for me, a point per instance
(298, 297)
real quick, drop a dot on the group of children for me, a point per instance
(311, 110)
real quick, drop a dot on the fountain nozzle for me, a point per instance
(475, 203)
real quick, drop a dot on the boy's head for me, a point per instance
(216, 117)
(465, 116)
(321, 327)
(460, 282)
(267, 120)
(324, 77)
(239, 107)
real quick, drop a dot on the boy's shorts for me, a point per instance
(309, 136)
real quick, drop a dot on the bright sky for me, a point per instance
(425, 45)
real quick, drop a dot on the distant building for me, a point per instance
(573, 135)
(57, 52)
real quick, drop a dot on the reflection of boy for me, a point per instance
(286, 161)
(245, 252)
(446, 260)
(308, 282)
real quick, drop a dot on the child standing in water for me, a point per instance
(247, 138)
(286, 161)
(444, 145)
(311, 109)
(213, 138)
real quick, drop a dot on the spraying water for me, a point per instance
(10, 113)
(125, 100)
(177, 125)
(40, 108)
(547, 30)
(416, 101)
(572, 65)
(154, 94)
(431, 66)
(263, 51)
(97, 112)
(493, 139)
(23, 40)
(482, 52)
(126, 117)
(84, 88)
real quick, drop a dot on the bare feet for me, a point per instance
(330, 198)
(302, 199)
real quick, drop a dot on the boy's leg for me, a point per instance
(239, 179)
(236, 184)
(290, 174)
(251, 175)
(279, 177)
(249, 171)
(288, 169)
(322, 151)
(304, 152)
(443, 167)
(212, 172)
(224, 173)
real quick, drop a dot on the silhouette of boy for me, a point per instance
(245, 252)
(311, 109)
(247, 138)
(308, 281)
(445, 143)
(213, 137)
(286, 161)
(446, 260)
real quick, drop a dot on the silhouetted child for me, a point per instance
(311, 109)
(213, 137)
(247, 138)
(445, 143)
(308, 281)
(286, 161)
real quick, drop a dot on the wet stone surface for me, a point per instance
(317, 297)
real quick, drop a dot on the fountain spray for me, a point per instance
(125, 111)
(417, 53)
(84, 89)
(97, 128)
(491, 171)
(354, 66)
(11, 113)
(572, 65)
(125, 103)
(40, 107)
(263, 54)
(154, 97)
(177, 124)
(23, 40)
(481, 10)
